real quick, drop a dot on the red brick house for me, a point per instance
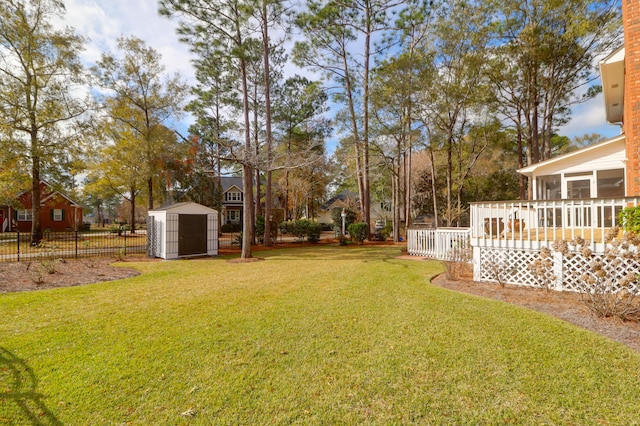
(58, 212)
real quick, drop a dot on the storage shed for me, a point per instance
(182, 230)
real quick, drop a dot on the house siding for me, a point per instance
(607, 158)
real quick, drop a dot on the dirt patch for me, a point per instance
(247, 260)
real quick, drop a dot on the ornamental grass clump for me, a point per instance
(609, 285)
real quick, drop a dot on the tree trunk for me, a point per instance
(434, 192)
(133, 211)
(36, 226)
(247, 203)
(366, 205)
(267, 111)
(356, 133)
(407, 177)
(449, 180)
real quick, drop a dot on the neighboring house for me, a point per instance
(380, 211)
(232, 200)
(58, 212)
(343, 200)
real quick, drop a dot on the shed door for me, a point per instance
(192, 234)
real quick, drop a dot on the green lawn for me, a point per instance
(320, 335)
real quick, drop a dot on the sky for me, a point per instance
(103, 21)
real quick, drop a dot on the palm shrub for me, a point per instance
(358, 231)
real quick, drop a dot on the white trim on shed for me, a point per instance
(163, 231)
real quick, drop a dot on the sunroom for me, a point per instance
(579, 194)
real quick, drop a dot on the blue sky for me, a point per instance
(103, 21)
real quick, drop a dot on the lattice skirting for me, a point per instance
(512, 266)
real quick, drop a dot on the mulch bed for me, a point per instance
(566, 306)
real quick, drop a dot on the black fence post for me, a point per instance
(18, 234)
(76, 232)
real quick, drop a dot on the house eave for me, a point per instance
(530, 170)
(612, 75)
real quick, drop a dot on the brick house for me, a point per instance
(58, 212)
(631, 101)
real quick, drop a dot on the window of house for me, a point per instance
(611, 183)
(549, 187)
(233, 216)
(57, 215)
(233, 196)
(25, 215)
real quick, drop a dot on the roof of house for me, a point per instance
(598, 151)
(229, 182)
(339, 200)
(45, 196)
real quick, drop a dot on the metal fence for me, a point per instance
(17, 246)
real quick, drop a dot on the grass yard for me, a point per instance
(319, 335)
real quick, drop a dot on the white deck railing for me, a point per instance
(533, 224)
(505, 238)
(440, 243)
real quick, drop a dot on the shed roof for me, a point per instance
(187, 207)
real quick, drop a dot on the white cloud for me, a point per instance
(103, 21)
(588, 118)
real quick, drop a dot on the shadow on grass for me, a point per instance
(18, 398)
(363, 253)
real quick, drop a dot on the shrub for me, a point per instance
(387, 230)
(314, 230)
(336, 216)
(608, 289)
(237, 240)
(303, 228)
(459, 262)
(358, 232)
(231, 227)
(542, 269)
(630, 219)
(260, 223)
(120, 228)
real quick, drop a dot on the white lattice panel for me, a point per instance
(576, 265)
(512, 265)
